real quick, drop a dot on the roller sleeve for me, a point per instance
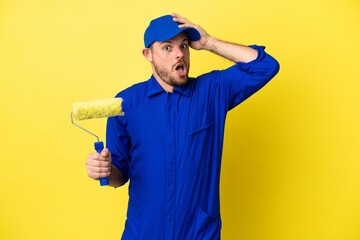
(97, 109)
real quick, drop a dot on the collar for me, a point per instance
(153, 87)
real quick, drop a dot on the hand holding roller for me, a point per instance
(97, 109)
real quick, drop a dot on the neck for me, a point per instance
(164, 85)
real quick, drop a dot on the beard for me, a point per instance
(168, 78)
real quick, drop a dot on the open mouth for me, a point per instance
(181, 69)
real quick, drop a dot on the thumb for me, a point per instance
(105, 152)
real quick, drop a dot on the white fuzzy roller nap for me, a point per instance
(98, 109)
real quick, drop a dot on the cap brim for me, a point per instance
(192, 33)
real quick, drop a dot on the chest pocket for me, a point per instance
(200, 133)
(199, 123)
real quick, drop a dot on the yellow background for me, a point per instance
(291, 166)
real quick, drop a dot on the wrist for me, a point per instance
(210, 44)
(116, 178)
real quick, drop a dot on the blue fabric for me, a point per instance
(170, 145)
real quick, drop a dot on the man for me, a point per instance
(169, 143)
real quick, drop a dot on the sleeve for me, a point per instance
(242, 80)
(118, 143)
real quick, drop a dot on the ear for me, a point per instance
(147, 54)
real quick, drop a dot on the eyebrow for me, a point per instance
(169, 41)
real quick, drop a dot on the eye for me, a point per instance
(184, 46)
(167, 48)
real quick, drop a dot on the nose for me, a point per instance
(179, 53)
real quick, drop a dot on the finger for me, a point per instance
(95, 156)
(96, 163)
(181, 21)
(186, 25)
(96, 176)
(175, 15)
(105, 152)
(178, 18)
(98, 170)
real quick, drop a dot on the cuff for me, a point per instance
(122, 170)
(249, 67)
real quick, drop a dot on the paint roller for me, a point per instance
(97, 109)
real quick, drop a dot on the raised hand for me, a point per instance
(198, 45)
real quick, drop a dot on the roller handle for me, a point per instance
(99, 146)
